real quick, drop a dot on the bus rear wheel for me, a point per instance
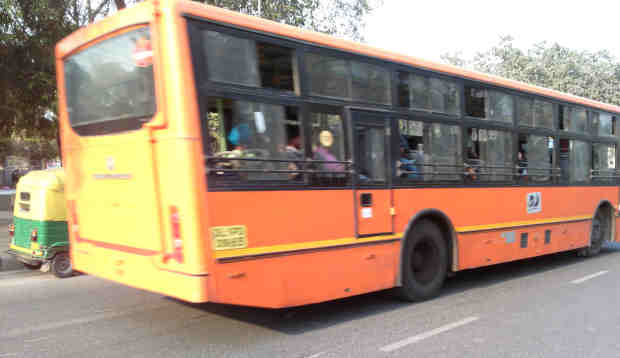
(424, 263)
(61, 265)
(601, 232)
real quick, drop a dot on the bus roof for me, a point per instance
(258, 24)
(139, 13)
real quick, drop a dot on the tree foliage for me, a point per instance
(594, 75)
(29, 30)
(337, 17)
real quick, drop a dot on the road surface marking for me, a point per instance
(580, 280)
(433, 332)
(316, 355)
(36, 339)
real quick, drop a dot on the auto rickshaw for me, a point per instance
(39, 233)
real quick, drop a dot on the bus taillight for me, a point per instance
(177, 243)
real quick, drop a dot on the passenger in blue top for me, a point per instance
(405, 164)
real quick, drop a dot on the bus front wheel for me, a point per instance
(61, 265)
(424, 263)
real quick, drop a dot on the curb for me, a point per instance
(8, 263)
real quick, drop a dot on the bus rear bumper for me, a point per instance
(143, 271)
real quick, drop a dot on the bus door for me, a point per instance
(372, 182)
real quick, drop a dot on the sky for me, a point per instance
(428, 28)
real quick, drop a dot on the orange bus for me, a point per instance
(214, 156)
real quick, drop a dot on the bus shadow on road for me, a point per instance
(299, 320)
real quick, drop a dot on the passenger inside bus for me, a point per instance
(472, 162)
(521, 166)
(406, 164)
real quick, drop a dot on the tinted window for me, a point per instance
(328, 149)
(573, 119)
(109, 85)
(487, 104)
(358, 81)
(602, 124)
(543, 114)
(489, 154)
(535, 113)
(231, 59)
(534, 158)
(426, 93)
(603, 162)
(575, 161)
(243, 136)
(476, 102)
(328, 76)
(276, 66)
(500, 107)
(247, 62)
(370, 83)
(526, 111)
(429, 151)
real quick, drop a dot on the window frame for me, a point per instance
(304, 100)
(201, 72)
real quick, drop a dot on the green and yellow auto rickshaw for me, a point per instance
(39, 234)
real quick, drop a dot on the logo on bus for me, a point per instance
(533, 202)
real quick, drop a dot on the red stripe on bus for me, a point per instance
(123, 248)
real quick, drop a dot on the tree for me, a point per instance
(337, 17)
(29, 30)
(594, 75)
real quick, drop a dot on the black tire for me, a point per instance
(32, 267)
(424, 263)
(601, 231)
(61, 265)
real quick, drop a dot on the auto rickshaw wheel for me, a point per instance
(31, 266)
(61, 265)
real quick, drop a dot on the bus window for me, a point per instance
(444, 96)
(358, 81)
(328, 76)
(252, 142)
(602, 124)
(489, 153)
(328, 149)
(487, 104)
(603, 162)
(429, 151)
(108, 89)
(370, 83)
(247, 62)
(534, 158)
(535, 113)
(574, 161)
(434, 94)
(573, 119)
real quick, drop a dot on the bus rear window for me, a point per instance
(109, 86)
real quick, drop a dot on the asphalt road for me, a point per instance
(556, 306)
(7, 262)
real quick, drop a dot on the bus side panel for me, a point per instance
(483, 214)
(497, 246)
(304, 278)
(285, 217)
